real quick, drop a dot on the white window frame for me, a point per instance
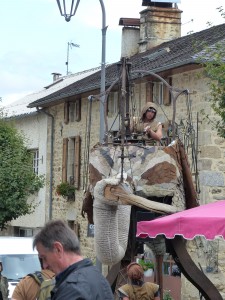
(36, 159)
(158, 92)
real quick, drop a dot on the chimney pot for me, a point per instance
(56, 76)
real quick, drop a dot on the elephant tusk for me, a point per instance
(122, 194)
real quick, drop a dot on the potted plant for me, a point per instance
(66, 190)
(148, 267)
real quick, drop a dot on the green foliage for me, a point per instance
(167, 296)
(213, 59)
(17, 179)
(65, 189)
(146, 264)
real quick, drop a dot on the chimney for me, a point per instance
(130, 36)
(159, 23)
(56, 76)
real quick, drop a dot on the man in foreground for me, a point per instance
(76, 277)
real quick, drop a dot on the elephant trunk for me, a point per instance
(112, 223)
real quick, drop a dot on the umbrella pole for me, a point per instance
(159, 274)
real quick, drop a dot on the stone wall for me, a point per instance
(62, 208)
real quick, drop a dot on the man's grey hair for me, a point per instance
(57, 231)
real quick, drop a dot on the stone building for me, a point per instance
(156, 48)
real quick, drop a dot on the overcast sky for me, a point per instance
(34, 38)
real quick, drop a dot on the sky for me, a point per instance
(35, 37)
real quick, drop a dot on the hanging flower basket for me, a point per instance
(65, 189)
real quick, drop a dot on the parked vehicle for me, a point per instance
(18, 259)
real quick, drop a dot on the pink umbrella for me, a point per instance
(206, 220)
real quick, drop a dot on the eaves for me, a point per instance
(163, 68)
(62, 97)
(20, 116)
(135, 74)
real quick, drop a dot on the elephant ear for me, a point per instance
(87, 207)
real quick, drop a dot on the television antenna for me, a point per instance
(70, 45)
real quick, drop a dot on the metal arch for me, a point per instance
(175, 93)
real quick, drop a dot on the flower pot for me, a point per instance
(71, 197)
(148, 273)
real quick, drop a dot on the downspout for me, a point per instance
(51, 161)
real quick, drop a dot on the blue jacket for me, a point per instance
(81, 281)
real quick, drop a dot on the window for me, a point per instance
(169, 266)
(25, 232)
(161, 93)
(113, 104)
(36, 159)
(22, 231)
(71, 160)
(158, 92)
(72, 111)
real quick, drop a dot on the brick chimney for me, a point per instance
(158, 24)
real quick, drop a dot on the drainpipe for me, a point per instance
(51, 160)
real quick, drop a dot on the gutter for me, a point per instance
(51, 160)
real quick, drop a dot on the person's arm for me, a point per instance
(157, 296)
(155, 135)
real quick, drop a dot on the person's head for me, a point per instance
(135, 271)
(57, 245)
(149, 112)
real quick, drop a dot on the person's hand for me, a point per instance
(147, 129)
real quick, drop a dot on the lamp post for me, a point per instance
(68, 12)
(68, 15)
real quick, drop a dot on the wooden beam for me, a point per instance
(113, 273)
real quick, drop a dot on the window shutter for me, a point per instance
(149, 92)
(66, 112)
(166, 92)
(64, 160)
(77, 147)
(78, 110)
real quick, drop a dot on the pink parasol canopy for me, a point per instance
(205, 220)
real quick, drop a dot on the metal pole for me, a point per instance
(102, 90)
(67, 62)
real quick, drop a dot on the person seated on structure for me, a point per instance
(137, 288)
(147, 125)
